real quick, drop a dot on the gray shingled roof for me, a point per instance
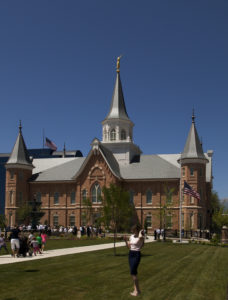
(112, 162)
(19, 154)
(150, 167)
(193, 148)
(63, 172)
(118, 108)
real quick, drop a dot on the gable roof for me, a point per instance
(150, 167)
(62, 172)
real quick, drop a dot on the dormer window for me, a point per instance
(113, 135)
(123, 135)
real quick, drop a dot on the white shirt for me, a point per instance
(135, 243)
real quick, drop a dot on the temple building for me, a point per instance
(153, 181)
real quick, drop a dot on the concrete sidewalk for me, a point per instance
(8, 259)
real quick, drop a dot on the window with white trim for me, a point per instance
(149, 197)
(149, 220)
(191, 220)
(169, 222)
(38, 196)
(123, 135)
(72, 220)
(56, 198)
(11, 197)
(55, 220)
(113, 135)
(96, 193)
(72, 198)
(84, 194)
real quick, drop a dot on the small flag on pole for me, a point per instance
(50, 144)
(189, 191)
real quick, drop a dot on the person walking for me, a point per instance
(39, 240)
(134, 245)
(44, 239)
(14, 241)
(3, 243)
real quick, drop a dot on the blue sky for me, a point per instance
(58, 63)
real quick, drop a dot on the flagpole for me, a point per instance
(43, 138)
(180, 216)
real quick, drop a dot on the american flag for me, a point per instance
(189, 191)
(50, 144)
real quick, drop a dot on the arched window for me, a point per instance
(38, 196)
(123, 135)
(84, 194)
(149, 197)
(72, 198)
(56, 198)
(96, 193)
(132, 193)
(113, 135)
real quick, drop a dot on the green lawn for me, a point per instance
(166, 272)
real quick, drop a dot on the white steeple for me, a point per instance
(117, 132)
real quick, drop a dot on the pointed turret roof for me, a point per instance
(118, 108)
(19, 154)
(193, 148)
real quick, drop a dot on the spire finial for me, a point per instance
(118, 63)
(20, 126)
(193, 115)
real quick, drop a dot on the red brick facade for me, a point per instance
(64, 212)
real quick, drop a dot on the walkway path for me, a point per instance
(8, 259)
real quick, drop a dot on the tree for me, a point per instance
(165, 206)
(219, 213)
(3, 221)
(35, 212)
(87, 212)
(24, 214)
(117, 212)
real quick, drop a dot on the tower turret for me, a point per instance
(117, 133)
(18, 171)
(193, 171)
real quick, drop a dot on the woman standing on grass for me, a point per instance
(134, 245)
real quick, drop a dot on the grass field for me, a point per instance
(166, 271)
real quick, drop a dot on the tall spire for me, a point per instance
(19, 154)
(193, 148)
(118, 108)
